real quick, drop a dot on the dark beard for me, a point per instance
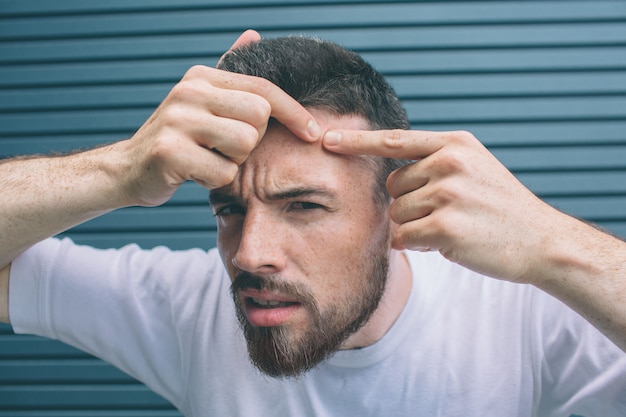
(278, 353)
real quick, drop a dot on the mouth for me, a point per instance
(266, 309)
(262, 303)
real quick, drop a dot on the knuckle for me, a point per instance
(407, 177)
(439, 225)
(186, 88)
(412, 238)
(396, 212)
(450, 223)
(260, 111)
(393, 188)
(226, 174)
(409, 208)
(173, 116)
(463, 137)
(400, 238)
(394, 139)
(262, 86)
(196, 71)
(447, 192)
(452, 161)
(249, 137)
(164, 145)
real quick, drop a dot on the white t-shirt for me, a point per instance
(464, 345)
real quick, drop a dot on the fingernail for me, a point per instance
(314, 129)
(332, 138)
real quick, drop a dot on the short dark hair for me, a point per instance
(323, 75)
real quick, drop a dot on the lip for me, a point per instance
(268, 316)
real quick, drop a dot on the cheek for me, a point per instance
(227, 244)
(336, 259)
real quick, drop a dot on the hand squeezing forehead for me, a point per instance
(203, 130)
(206, 127)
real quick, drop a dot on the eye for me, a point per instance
(229, 210)
(304, 206)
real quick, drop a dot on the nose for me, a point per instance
(260, 246)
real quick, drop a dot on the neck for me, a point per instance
(394, 299)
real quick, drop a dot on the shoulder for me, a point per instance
(443, 287)
(130, 265)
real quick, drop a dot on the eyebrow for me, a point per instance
(301, 192)
(220, 197)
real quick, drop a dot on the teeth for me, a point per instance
(265, 302)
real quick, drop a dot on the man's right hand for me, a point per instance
(204, 129)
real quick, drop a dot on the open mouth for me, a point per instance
(265, 309)
(263, 303)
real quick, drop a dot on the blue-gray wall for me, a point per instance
(542, 83)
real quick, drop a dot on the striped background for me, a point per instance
(541, 83)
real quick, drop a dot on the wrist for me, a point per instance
(572, 257)
(103, 176)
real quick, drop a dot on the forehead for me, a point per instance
(282, 162)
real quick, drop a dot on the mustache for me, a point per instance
(272, 283)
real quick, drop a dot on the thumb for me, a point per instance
(248, 37)
(245, 38)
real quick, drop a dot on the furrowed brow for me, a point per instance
(301, 193)
(221, 198)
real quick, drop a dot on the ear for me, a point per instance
(249, 36)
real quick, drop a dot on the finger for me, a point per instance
(247, 37)
(416, 235)
(400, 144)
(230, 138)
(410, 207)
(204, 166)
(284, 108)
(219, 173)
(239, 106)
(294, 116)
(406, 179)
(430, 232)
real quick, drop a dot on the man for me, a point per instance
(336, 316)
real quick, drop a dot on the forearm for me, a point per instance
(586, 269)
(43, 196)
(206, 126)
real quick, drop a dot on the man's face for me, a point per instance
(305, 246)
